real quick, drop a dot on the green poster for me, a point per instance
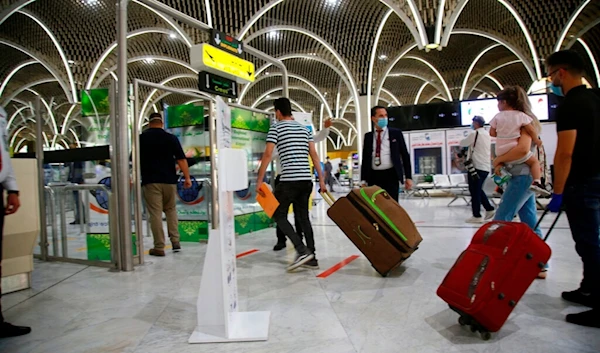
(184, 115)
(252, 222)
(98, 246)
(263, 123)
(193, 231)
(94, 102)
(247, 120)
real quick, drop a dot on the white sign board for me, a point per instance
(427, 139)
(218, 316)
(306, 120)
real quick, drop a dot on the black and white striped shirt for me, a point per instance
(291, 139)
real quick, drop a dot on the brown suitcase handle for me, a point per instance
(327, 197)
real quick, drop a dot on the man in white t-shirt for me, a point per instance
(479, 143)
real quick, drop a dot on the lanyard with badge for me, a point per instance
(380, 138)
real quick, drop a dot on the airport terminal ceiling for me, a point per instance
(334, 50)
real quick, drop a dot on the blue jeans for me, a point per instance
(582, 202)
(518, 199)
(478, 197)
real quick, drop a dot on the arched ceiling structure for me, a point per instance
(334, 50)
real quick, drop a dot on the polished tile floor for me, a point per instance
(74, 308)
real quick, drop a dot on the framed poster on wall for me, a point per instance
(428, 150)
(456, 153)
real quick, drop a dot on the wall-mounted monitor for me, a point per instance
(488, 108)
(425, 116)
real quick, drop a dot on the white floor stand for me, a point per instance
(218, 316)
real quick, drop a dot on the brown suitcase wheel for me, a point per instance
(486, 336)
(462, 321)
(473, 328)
(382, 274)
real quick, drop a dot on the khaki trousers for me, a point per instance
(161, 198)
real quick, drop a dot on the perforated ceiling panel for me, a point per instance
(326, 44)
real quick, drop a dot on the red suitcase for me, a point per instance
(492, 274)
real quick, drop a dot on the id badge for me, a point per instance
(377, 161)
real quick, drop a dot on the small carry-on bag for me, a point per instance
(492, 274)
(378, 226)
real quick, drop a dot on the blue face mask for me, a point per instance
(556, 90)
(473, 127)
(382, 122)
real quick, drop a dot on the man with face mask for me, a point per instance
(577, 176)
(385, 158)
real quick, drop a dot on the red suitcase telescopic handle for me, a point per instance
(553, 223)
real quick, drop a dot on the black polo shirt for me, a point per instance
(159, 151)
(581, 111)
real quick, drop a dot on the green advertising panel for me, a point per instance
(98, 246)
(247, 120)
(193, 231)
(184, 115)
(249, 133)
(186, 122)
(94, 102)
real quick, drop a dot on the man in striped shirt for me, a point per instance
(294, 143)
(319, 137)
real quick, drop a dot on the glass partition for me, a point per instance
(249, 133)
(188, 123)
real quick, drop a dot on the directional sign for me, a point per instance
(218, 85)
(226, 42)
(205, 57)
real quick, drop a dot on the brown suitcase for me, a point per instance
(378, 226)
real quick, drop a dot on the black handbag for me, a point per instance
(469, 161)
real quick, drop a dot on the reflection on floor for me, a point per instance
(75, 308)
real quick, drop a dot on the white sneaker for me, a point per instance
(539, 190)
(475, 220)
(489, 214)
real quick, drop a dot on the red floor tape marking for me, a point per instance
(338, 266)
(246, 253)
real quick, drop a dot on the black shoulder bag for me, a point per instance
(469, 161)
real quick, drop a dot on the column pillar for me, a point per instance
(364, 124)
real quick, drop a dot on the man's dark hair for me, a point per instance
(284, 106)
(375, 108)
(567, 59)
(155, 117)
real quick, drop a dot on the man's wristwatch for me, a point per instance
(13, 192)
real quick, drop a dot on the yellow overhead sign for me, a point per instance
(208, 58)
